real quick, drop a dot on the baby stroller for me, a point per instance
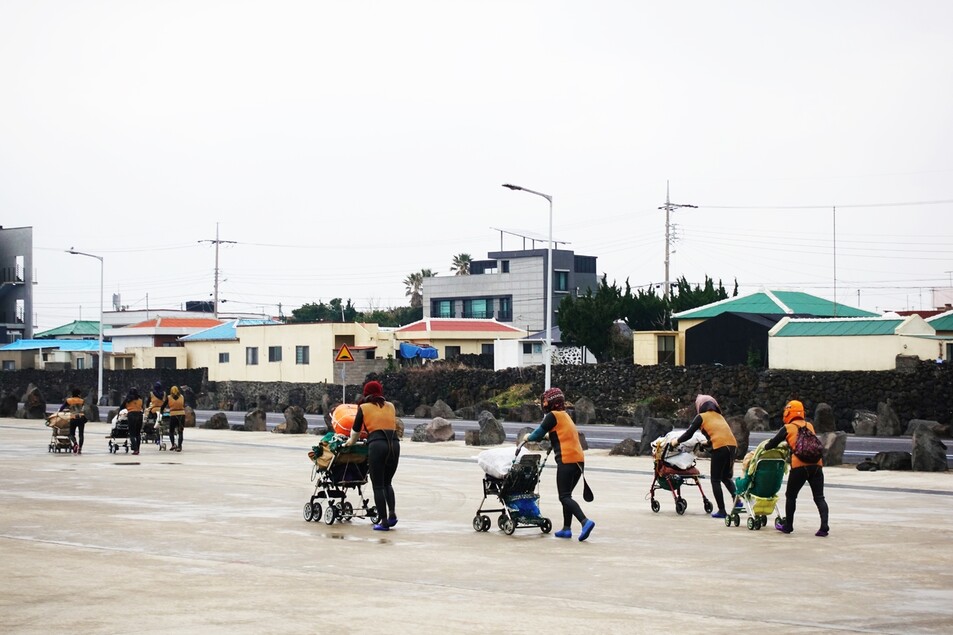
(152, 430)
(758, 487)
(514, 480)
(673, 468)
(119, 432)
(337, 470)
(59, 426)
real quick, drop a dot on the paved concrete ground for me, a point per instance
(211, 540)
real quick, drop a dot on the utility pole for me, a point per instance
(669, 207)
(217, 242)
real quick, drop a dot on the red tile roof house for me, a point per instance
(155, 343)
(457, 336)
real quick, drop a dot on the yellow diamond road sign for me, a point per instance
(344, 355)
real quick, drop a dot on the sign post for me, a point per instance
(344, 355)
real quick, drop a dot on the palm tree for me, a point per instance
(461, 264)
(415, 284)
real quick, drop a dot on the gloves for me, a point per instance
(351, 440)
(674, 442)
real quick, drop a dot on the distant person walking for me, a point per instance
(383, 449)
(801, 472)
(723, 448)
(156, 404)
(570, 460)
(77, 419)
(176, 405)
(133, 405)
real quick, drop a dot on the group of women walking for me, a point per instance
(378, 417)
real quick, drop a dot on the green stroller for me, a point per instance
(758, 488)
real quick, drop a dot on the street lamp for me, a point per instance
(547, 353)
(99, 389)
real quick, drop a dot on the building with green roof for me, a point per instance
(75, 330)
(830, 344)
(738, 328)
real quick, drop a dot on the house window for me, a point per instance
(442, 308)
(451, 352)
(480, 309)
(560, 281)
(532, 348)
(251, 355)
(504, 266)
(369, 353)
(302, 354)
(80, 362)
(506, 310)
(223, 358)
(165, 362)
(9, 364)
(274, 353)
(486, 349)
(666, 350)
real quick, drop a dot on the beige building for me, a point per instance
(266, 351)
(832, 344)
(655, 347)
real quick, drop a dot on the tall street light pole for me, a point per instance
(548, 352)
(99, 389)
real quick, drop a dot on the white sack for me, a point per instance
(682, 456)
(497, 461)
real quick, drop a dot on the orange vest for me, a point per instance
(566, 445)
(134, 405)
(716, 429)
(155, 403)
(75, 406)
(791, 438)
(176, 405)
(379, 418)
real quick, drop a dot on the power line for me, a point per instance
(824, 207)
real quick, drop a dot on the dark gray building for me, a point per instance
(511, 286)
(16, 284)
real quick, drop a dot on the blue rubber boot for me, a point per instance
(586, 530)
(563, 533)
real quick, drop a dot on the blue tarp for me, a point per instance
(410, 351)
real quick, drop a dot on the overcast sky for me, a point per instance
(344, 145)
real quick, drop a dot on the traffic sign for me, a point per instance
(344, 355)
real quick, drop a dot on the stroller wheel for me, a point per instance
(509, 526)
(680, 506)
(487, 523)
(501, 521)
(727, 521)
(330, 515)
(478, 522)
(546, 526)
(656, 506)
(736, 518)
(708, 506)
(308, 512)
(751, 523)
(347, 511)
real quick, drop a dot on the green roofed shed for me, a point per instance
(826, 328)
(775, 303)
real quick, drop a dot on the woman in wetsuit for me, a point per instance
(723, 447)
(570, 461)
(379, 418)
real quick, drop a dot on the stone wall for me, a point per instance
(55, 385)
(618, 389)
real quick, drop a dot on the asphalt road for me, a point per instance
(601, 436)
